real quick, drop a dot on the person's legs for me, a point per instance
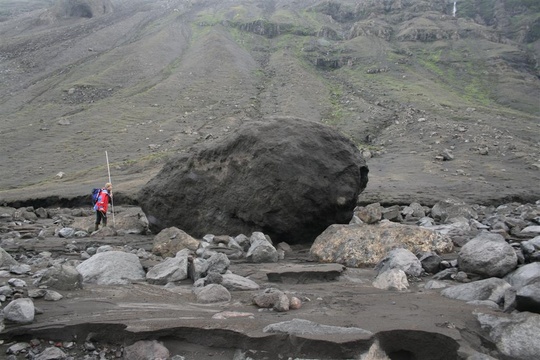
(100, 216)
(98, 220)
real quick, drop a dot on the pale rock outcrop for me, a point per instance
(366, 245)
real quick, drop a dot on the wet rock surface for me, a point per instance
(215, 301)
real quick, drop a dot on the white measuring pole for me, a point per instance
(112, 201)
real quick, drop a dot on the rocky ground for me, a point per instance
(118, 314)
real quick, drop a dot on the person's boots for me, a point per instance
(96, 228)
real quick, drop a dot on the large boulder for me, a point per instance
(287, 177)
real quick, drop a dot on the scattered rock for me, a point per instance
(212, 293)
(401, 259)
(170, 270)
(20, 311)
(392, 279)
(272, 298)
(61, 277)
(487, 256)
(111, 268)
(489, 289)
(142, 350)
(516, 337)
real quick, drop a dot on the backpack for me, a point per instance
(95, 195)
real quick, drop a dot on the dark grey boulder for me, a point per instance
(287, 177)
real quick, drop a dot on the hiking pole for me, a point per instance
(112, 201)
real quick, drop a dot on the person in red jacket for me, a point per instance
(102, 205)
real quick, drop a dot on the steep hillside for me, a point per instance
(410, 81)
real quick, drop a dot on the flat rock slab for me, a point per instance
(304, 274)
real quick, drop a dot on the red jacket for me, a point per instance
(102, 203)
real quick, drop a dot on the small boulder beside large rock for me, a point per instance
(366, 245)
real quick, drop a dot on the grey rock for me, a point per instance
(143, 350)
(36, 293)
(198, 268)
(447, 209)
(62, 277)
(391, 279)
(306, 327)
(414, 210)
(212, 293)
(213, 278)
(66, 232)
(243, 241)
(170, 270)
(392, 213)
(6, 260)
(530, 246)
(446, 274)
(435, 284)
(401, 259)
(6, 290)
(20, 311)
(524, 275)
(17, 283)
(261, 250)
(104, 248)
(17, 348)
(369, 214)
(533, 229)
(430, 262)
(272, 298)
(171, 240)
(51, 295)
(111, 268)
(488, 289)
(487, 257)
(516, 336)
(236, 282)
(20, 269)
(218, 262)
(51, 353)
